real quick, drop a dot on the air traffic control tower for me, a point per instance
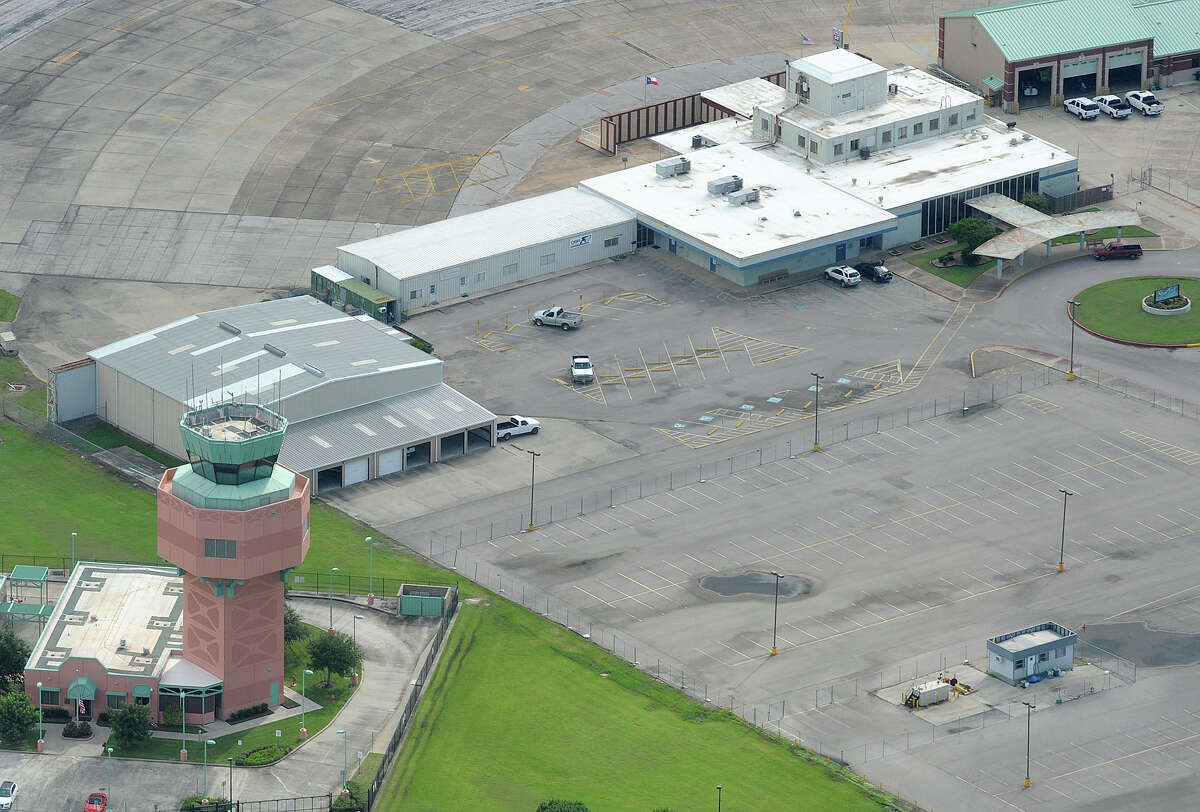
(235, 523)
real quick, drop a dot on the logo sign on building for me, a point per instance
(579, 242)
(451, 273)
(837, 37)
(1169, 292)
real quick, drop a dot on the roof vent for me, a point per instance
(743, 196)
(725, 185)
(1026, 137)
(229, 328)
(320, 373)
(893, 89)
(271, 348)
(671, 167)
(1012, 142)
(796, 213)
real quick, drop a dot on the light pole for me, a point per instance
(1071, 305)
(204, 769)
(108, 786)
(182, 727)
(816, 409)
(303, 688)
(41, 722)
(370, 566)
(1062, 545)
(775, 621)
(73, 535)
(331, 572)
(345, 764)
(718, 798)
(1028, 723)
(533, 455)
(230, 760)
(354, 628)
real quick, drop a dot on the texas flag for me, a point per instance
(650, 80)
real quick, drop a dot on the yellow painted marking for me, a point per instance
(68, 56)
(806, 405)
(713, 430)
(125, 25)
(488, 333)
(781, 411)
(523, 88)
(739, 424)
(848, 394)
(649, 377)
(876, 386)
(510, 328)
(446, 176)
(473, 69)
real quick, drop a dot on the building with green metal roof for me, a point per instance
(1036, 53)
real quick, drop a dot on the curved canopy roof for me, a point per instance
(1034, 227)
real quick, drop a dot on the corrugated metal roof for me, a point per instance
(994, 84)
(482, 234)
(400, 421)
(1174, 24)
(1037, 28)
(196, 359)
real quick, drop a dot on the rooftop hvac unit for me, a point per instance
(743, 196)
(672, 167)
(1026, 137)
(725, 185)
(893, 89)
(864, 153)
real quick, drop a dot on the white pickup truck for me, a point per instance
(1113, 106)
(1144, 102)
(510, 427)
(557, 317)
(1082, 108)
(581, 369)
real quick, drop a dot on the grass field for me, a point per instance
(8, 305)
(521, 710)
(294, 660)
(959, 276)
(108, 437)
(34, 398)
(1127, 232)
(1114, 309)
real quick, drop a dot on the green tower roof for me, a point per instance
(232, 433)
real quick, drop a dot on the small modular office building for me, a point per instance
(1038, 649)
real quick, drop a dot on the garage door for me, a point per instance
(1087, 67)
(391, 461)
(1125, 60)
(355, 471)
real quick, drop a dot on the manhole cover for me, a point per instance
(756, 583)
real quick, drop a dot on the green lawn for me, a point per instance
(1106, 234)
(520, 711)
(106, 436)
(294, 660)
(34, 398)
(962, 277)
(1114, 309)
(8, 305)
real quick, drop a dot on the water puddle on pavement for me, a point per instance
(1143, 645)
(756, 583)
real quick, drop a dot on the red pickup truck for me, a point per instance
(1118, 249)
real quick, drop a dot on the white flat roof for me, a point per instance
(722, 131)
(482, 234)
(938, 166)
(918, 93)
(742, 235)
(128, 617)
(1030, 639)
(836, 66)
(333, 274)
(740, 97)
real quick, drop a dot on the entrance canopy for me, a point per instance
(82, 688)
(1034, 227)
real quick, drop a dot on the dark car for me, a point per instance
(876, 271)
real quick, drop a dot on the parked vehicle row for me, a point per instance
(1114, 106)
(849, 276)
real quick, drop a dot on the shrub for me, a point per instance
(422, 345)
(131, 725)
(248, 713)
(104, 719)
(213, 805)
(357, 800)
(17, 716)
(561, 806)
(77, 730)
(170, 716)
(946, 258)
(56, 714)
(263, 755)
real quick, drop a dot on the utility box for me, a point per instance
(673, 166)
(420, 600)
(725, 185)
(926, 694)
(744, 196)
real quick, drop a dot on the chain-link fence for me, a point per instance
(1163, 181)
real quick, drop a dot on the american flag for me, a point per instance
(82, 709)
(805, 40)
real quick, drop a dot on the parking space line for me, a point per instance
(650, 501)
(625, 595)
(877, 445)
(880, 529)
(961, 503)
(588, 522)
(1131, 535)
(745, 657)
(922, 435)
(1069, 472)
(1156, 530)
(695, 490)
(1184, 527)
(578, 535)
(1136, 454)
(1053, 482)
(722, 487)
(1097, 467)
(638, 513)
(645, 588)
(945, 510)
(698, 561)
(1011, 493)
(596, 597)
(683, 502)
(891, 436)
(1112, 460)
(925, 517)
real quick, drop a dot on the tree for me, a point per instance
(293, 627)
(14, 653)
(334, 653)
(1036, 200)
(131, 726)
(972, 232)
(17, 715)
(561, 806)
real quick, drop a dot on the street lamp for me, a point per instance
(303, 688)
(1028, 722)
(41, 722)
(370, 566)
(331, 572)
(533, 455)
(1063, 542)
(230, 760)
(108, 786)
(816, 409)
(345, 764)
(73, 535)
(354, 628)
(1071, 305)
(775, 622)
(204, 769)
(182, 727)
(718, 798)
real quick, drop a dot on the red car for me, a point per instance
(96, 802)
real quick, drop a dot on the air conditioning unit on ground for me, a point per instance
(725, 185)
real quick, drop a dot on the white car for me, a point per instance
(8, 794)
(1113, 106)
(847, 276)
(1082, 108)
(1145, 102)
